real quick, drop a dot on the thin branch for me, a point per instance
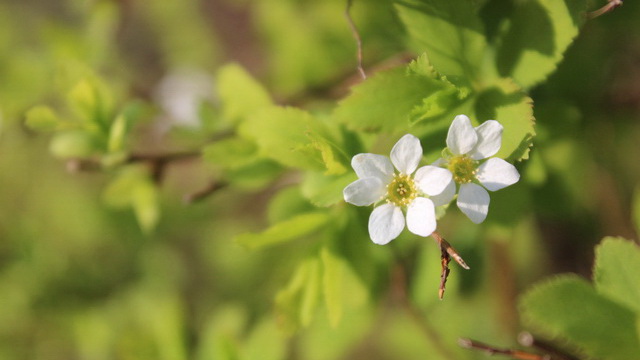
(356, 36)
(490, 350)
(527, 339)
(612, 4)
(211, 188)
(159, 162)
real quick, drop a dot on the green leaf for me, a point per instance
(296, 304)
(536, 34)
(255, 175)
(239, 93)
(570, 308)
(287, 203)
(146, 205)
(73, 144)
(323, 190)
(118, 133)
(133, 188)
(92, 103)
(450, 32)
(296, 227)
(282, 135)
(42, 118)
(385, 101)
(332, 274)
(231, 153)
(617, 271)
(508, 104)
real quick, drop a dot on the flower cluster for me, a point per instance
(418, 192)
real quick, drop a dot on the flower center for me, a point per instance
(401, 190)
(463, 168)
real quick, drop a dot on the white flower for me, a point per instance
(466, 146)
(377, 181)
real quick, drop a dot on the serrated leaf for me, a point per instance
(508, 104)
(240, 93)
(231, 153)
(385, 101)
(450, 32)
(536, 35)
(617, 271)
(287, 203)
(294, 228)
(42, 118)
(323, 190)
(281, 135)
(332, 269)
(570, 308)
(334, 160)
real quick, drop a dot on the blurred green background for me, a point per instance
(81, 280)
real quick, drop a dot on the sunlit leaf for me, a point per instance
(240, 93)
(332, 274)
(42, 118)
(281, 135)
(296, 303)
(231, 153)
(385, 101)
(569, 308)
(450, 32)
(535, 36)
(73, 144)
(323, 190)
(617, 271)
(294, 228)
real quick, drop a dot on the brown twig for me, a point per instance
(527, 339)
(356, 35)
(490, 350)
(211, 188)
(159, 162)
(612, 4)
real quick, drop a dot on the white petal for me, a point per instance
(489, 140)
(446, 195)
(363, 192)
(473, 200)
(421, 217)
(432, 180)
(495, 174)
(385, 223)
(406, 154)
(372, 165)
(462, 137)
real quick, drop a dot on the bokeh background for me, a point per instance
(80, 279)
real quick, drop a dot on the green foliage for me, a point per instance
(42, 118)
(239, 93)
(294, 228)
(600, 321)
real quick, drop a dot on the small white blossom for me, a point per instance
(466, 147)
(378, 182)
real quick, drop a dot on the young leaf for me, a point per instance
(281, 135)
(296, 227)
(92, 103)
(118, 133)
(385, 101)
(42, 118)
(536, 35)
(231, 153)
(323, 190)
(570, 308)
(450, 32)
(617, 271)
(240, 94)
(296, 303)
(145, 204)
(73, 144)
